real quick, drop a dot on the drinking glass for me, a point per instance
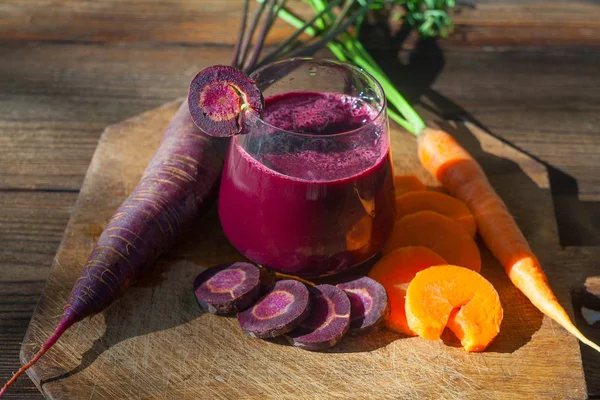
(300, 195)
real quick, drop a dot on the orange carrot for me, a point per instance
(456, 297)
(407, 183)
(464, 178)
(394, 272)
(359, 236)
(441, 203)
(439, 233)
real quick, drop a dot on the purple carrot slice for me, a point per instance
(328, 321)
(369, 302)
(227, 288)
(283, 307)
(220, 97)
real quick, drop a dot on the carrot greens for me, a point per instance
(428, 17)
(439, 153)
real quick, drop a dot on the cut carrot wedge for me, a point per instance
(457, 298)
(412, 202)
(439, 233)
(407, 183)
(464, 178)
(359, 236)
(394, 272)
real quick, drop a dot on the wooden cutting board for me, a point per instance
(155, 343)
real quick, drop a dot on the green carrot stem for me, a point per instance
(319, 5)
(364, 60)
(326, 37)
(298, 23)
(242, 29)
(300, 29)
(245, 45)
(399, 120)
(394, 97)
(352, 50)
(278, 7)
(262, 34)
(342, 14)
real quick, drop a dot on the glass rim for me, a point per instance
(349, 66)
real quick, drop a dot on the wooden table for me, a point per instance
(528, 72)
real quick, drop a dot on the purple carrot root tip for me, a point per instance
(66, 321)
(369, 303)
(177, 186)
(219, 99)
(227, 288)
(327, 322)
(280, 310)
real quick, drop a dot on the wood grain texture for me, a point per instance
(69, 68)
(60, 97)
(155, 342)
(55, 100)
(31, 227)
(490, 23)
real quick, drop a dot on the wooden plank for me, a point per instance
(45, 154)
(49, 90)
(530, 23)
(110, 21)
(127, 353)
(57, 98)
(587, 260)
(509, 23)
(546, 104)
(60, 97)
(31, 227)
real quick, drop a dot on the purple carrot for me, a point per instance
(177, 186)
(327, 322)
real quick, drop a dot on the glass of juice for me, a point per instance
(308, 189)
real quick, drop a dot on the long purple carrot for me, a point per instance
(177, 186)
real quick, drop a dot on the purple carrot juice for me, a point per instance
(309, 191)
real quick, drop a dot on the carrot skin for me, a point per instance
(178, 185)
(438, 202)
(464, 178)
(454, 297)
(407, 183)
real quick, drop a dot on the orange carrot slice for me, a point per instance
(407, 183)
(435, 294)
(412, 202)
(360, 234)
(394, 272)
(439, 233)
(464, 178)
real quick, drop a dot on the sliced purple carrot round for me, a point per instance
(327, 322)
(369, 303)
(219, 98)
(283, 307)
(227, 288)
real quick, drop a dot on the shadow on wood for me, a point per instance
(153, 343)
(167, 284)
(414, 73)
(140, 296)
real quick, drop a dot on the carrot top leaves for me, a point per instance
(428, 17)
